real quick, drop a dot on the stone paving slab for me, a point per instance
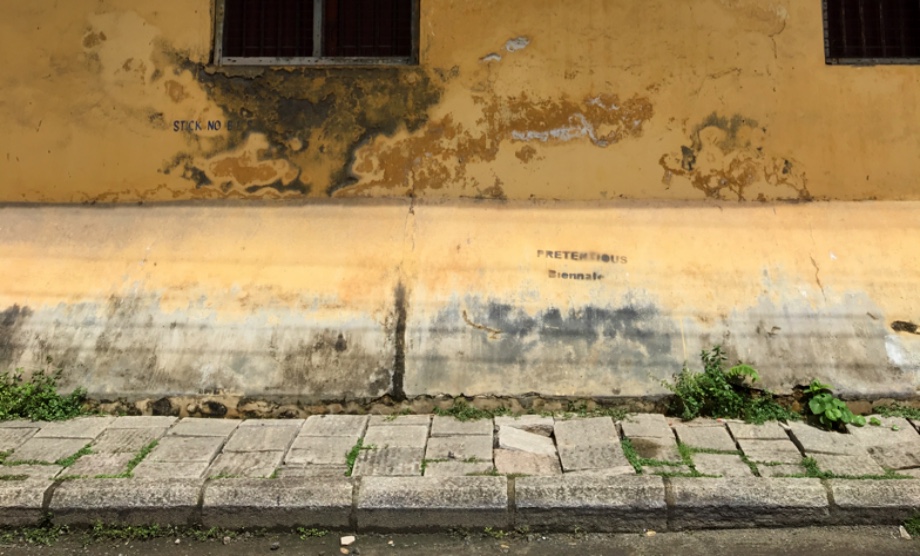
(246, 464)
(126, 440)
(884, 435)
(536, 424)
(279, 503)
(99, 464)
(874, 502)
(428, 503)
(601, 456)
(179, 449)
(816, 441)
(855, 465)
(778, 451)
(47, 450)
(22, 502)
(741, 503)
(651, 425)
(319, 450)
(457, 468)
(200, 426)
(767, 431)
(171, 470)
(401, 436)
(81, 427)
(448, 426)
(604, 504)
(511, 438)
(510, 462)
(706, 437)
(391, 462)
(658, 448)
(460, 447)
(352, 426)
(897, 456)
(721, 465)
(30, 471)
(125, 501)
(271, 438)
(584, 432)
(12, 438)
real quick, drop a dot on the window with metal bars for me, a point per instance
(303, 32)
(872, 31)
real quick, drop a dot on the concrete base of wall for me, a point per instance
(355, 301)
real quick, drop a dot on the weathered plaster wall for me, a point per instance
(453, 298)
(650, 99)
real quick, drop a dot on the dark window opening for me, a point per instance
(872, 31)
(315, 30)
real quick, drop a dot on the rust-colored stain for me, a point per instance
(437, 156)
(174, 89)
(726, 160)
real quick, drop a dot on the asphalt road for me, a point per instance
(814, 541)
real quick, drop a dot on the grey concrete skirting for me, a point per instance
(323, 502)
(698, 503)
(605, 504)
(431, 503)
(126, 501)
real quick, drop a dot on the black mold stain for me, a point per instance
(904, 326)
(605, 336)
(321, 366)
(211, 408)
(11, 320)
(163, 406)
(295, 186)
(347, 106)
(398, 391)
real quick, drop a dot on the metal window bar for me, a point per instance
(362, 32)
(872, 31)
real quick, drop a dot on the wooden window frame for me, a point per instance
(831, 59)
(317, 59)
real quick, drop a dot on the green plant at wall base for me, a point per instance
(37, 398)
(830, 411)
(463, 411)
(720, 392)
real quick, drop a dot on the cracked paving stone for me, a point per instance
(851, 465)
(904, 456)
(180, 449)
(352, 426)
(448, 426)
(457, 468)
(399, 421)
(201, 426)
(767, 431)
(648, 425)
(47, 450)
(12, 438)
(268, 438)
(510, 438)
(781, 470)
(91, 465)
(81, 427)
(535, 424)
(317, 450)
(401, 436)
(120, 441)
(171, 470)
(510, 462)
(779, 451)
(817, 441)
(709, 438)
(460, 448)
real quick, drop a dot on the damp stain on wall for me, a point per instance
(438, 155)
(727, 159)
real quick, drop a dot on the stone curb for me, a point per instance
(559, 503)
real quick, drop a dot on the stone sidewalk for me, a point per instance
(424, 472)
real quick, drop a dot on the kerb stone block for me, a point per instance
(604, 504)
(741, 503)
(126, 501)
(278, 503)
(874, 502)
(21, 502)
(432, 503)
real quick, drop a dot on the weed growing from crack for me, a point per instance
(311, 533)
(352, 455)
(70, 460)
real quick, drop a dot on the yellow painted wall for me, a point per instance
(523, 99)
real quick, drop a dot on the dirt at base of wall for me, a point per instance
(239, 407)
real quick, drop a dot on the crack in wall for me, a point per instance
(493, 333)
